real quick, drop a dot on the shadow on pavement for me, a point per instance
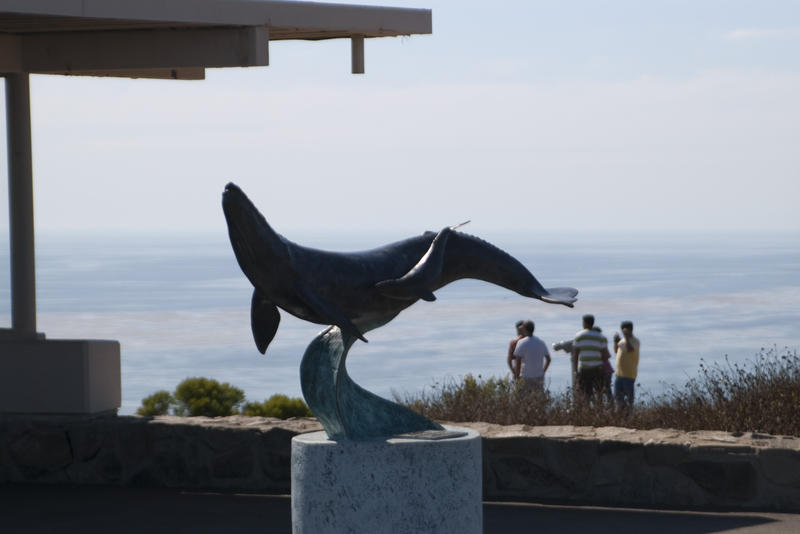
(514, 518)
(89, 510)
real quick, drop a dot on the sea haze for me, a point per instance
(179, 305)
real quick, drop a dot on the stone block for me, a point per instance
(86, 439)
(522, 478)
(612, 472)
(39, 376)
(518, 446)
(718, 450)
(665, 453)
(236, 463)
(276, 468)
(647, 468)
(41, 451)
(728, 481)
(666, 486)
(608, 446)
(133, 441)
(223, 439)
(395, 486)
(781, 466)
(278, 440)
(105, 468)
(574, 458)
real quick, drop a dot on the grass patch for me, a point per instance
(761, 395)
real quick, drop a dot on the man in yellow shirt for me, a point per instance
(627, 350)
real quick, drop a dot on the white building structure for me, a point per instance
(171, 39)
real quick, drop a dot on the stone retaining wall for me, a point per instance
(611, 466)
(662, 468)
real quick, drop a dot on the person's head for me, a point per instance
(627, 328)
(588, 321)
(528, 327)
(518, 325)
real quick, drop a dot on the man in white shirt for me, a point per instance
(531, 359)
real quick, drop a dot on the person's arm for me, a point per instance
(574, 360)
(517, 361)
(546, 361)
(511, 346)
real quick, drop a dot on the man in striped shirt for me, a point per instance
(589, 349)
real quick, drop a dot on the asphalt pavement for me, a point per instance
(90, 509)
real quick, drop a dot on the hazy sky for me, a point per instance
(537, 116)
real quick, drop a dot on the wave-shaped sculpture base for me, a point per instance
(345, 409)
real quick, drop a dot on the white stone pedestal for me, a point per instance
(59, 376)
(397, 485)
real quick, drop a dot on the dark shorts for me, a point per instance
(591, 381)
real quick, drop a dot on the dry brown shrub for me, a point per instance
(762, 395)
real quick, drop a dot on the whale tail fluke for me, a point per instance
(560, 295)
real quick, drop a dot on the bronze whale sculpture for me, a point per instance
(357, 292)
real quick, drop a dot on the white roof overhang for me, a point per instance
(147, 38)
(179, 38)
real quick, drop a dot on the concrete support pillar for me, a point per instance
(37, 375)
(20, 205)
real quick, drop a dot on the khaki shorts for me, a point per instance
(533, 384)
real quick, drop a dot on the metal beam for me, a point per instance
(79, 52)
(10, 53)
(188, 73)
(357, 53)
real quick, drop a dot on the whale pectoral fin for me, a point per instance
(427, 296)
(396, 289)
(331, 313)
(264, 321)
(560, 295)
(419, 281)
(404, 290)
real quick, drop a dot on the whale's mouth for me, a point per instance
(232, 188)
(233, 199)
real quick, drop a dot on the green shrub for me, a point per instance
(279, 406)
(205, 396)
(156, 404)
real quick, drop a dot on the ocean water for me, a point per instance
(179, 305)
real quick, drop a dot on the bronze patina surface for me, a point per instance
(356, 292)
